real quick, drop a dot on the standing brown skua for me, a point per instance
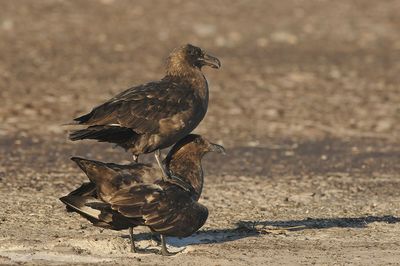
(155, 115)
(124, 196)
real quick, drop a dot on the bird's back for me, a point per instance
(108, 178)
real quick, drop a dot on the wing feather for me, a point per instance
(169, 210)
(141, 108)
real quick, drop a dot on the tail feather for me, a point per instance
(121, 136)
(84, 118)
(86, 164)
(86, 189)
(98, 213)
(79, 205)
(97, 172)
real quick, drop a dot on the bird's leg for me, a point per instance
(171, 178)
(177, 180)
(164, 250)
(133, 248)
(157, 154)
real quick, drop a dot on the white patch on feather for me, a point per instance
(151, 197)
(114, 125)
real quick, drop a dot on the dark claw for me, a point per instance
(179, 182)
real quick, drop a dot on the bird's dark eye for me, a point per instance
(193, 52)
(194, 55)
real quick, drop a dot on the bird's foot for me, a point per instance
(157, 155)
(165, 175)
(179, 182)
(165, 252)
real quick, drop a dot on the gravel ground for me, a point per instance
(306, 104)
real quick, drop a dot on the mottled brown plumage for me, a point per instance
(107, 178)
(154, 115)
(124, 196)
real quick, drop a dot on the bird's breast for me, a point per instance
(200, 86)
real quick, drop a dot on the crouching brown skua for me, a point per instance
(155, 115)
(122, 197)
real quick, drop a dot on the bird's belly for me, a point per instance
(171, 130)
(150, 142)
(175, 128)
(162, 141)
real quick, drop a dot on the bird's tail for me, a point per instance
(114, 134)
(86, 164)
(97, 172)
(84, 118)
(101, 133)
(97, 212)
(80, 204)
(87, 206)
(86, 189)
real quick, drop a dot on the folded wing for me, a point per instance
(141, 108)
(167, 210)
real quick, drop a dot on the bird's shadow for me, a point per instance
(246, 229)
(318, 223)
(203, 237)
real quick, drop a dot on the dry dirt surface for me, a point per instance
(307, 104)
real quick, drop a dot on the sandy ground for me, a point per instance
(306, 104)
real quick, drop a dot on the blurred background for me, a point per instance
(307, 103)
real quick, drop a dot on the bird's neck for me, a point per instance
(188, 168)
(177, 66)
(192, 79)
(179, 70)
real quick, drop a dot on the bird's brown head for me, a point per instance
(188, 58)
(194, 146)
